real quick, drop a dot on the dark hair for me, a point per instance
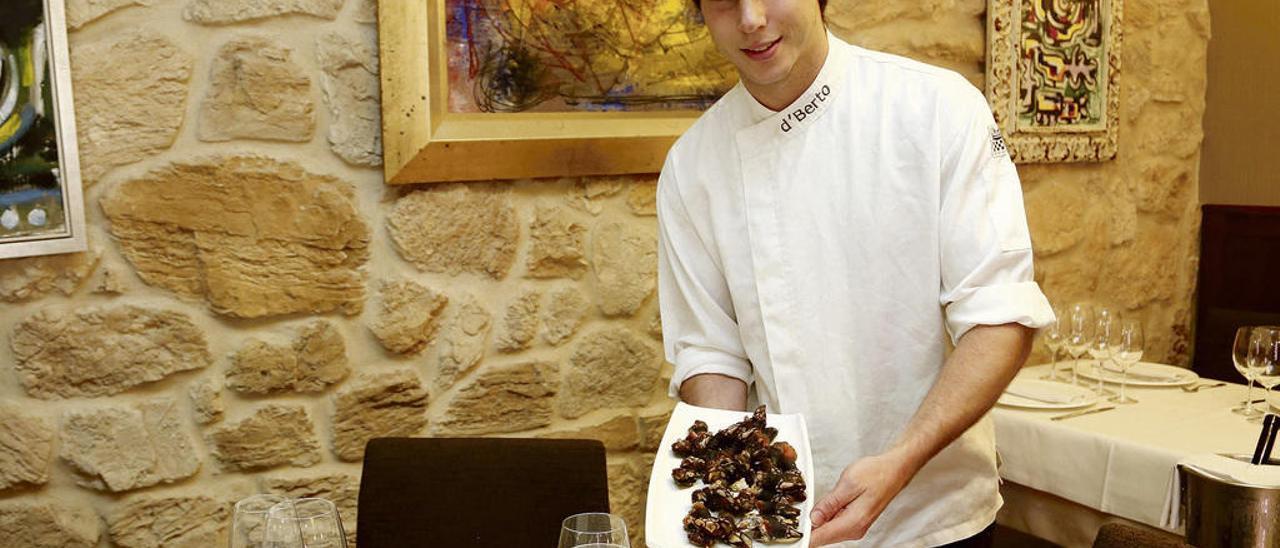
(822, 5)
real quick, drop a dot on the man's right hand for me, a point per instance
(714, 390)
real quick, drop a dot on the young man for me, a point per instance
(822, 229)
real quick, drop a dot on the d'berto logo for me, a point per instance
(803, 112)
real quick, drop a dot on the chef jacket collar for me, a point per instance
(810, 105)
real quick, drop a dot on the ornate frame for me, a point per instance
(424, 142)
(1047, 146)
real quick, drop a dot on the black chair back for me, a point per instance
(476, 492)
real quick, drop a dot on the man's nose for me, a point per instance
(752, 16)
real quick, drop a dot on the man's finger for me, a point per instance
(835, 501)
(851, 524)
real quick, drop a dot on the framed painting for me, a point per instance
(502, 89)
(41, 207)
(1053, 77)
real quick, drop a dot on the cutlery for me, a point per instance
(1041, 399)
(1202, 386)
(1081, 413)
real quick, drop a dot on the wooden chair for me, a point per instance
(476, 492)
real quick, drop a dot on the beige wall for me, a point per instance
(1241, 165)
(257, 303)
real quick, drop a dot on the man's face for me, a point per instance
(767, 39)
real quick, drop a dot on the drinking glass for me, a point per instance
(1240, 358)
(1054, 336)
(1126, 350)
(1101, 348)
(1079, 333)
(249, 520)
(593, 530)
(1265, 361)
(304, 523)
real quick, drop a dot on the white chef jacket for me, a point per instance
(820, 254)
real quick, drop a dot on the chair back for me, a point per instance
(476, 492)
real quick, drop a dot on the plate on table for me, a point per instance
(1140, 374)
(669, 503)
(1038, 394)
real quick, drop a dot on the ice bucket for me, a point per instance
(1220, 512)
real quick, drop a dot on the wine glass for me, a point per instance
(593, 530)
(1079, 320)
(1054, 336)
(304, 523)
(249, 520)
(1126, 350)
(1240, 358)
(1101, 347)
(1264, 360)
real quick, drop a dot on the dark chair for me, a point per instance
(476, 492)
(1239, 258)
(1123, 535)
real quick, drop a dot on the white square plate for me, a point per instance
(669, 503)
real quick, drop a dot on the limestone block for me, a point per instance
(455, 228)
(256, 91)
(83, 12)
(34, 277)
(565, 311)
(625, 263)
(206, 400)
(214, 228)
(628, 490)
(652, 424)
(557, 247)
(131, 94)
(110, 283)
(520, 324)
(119, 448)
(103, 351)
(1055, 210)
(503, 399)
(618, 433)
(1138, 273)
(462, 340)
(642, 199)
(31, 522)
(315, 360)
(589, 194)
(610, 367)
(223, 12)
(365, 11)
(26, 448)
(655, 323)
(349, 79)
(275, 435)
(194, 521)
(322, 357)
(376, 405)
(262, 368)
(408, 316)
(342, 489)
(1163, 186)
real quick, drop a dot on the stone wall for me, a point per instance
(257, 304)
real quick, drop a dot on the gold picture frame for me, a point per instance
(424, 142)
(1009, 91)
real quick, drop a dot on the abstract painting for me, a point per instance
(40, 201)
(581, 55)
(1053, 77)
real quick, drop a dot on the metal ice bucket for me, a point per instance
(1219, 512)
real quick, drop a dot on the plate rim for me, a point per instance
(1190, 376)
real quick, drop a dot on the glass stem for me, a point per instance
(1248, 400)
(1053, 364)
(1123, 381)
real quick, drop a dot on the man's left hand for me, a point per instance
(861, 494)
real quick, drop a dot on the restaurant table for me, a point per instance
(1063, 479)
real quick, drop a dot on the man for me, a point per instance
(822, 228)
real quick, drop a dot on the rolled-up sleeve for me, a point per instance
(987, 272)
(699, 329)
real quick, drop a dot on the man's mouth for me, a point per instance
(763, 51)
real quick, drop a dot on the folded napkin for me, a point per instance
(1217, 466)
(1041, 392)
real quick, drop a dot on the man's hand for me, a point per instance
(862, 492)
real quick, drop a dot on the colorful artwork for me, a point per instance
(1061, 71)
(581, 55)
(35, 205)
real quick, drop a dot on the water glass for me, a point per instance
(1101, 347)
(248, 523)
(1240, 358)
(1079, 334)
(1126, 350)
(594, 530)
(1265, 362)
(1054, 336)
(304, 523)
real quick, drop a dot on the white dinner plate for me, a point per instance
(1038, 394)
(1141, 374)
(668, 503)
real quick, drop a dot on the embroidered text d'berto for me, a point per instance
(808, 109)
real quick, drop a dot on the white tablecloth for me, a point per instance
(1120, 462)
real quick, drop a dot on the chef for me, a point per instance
(842, 235)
